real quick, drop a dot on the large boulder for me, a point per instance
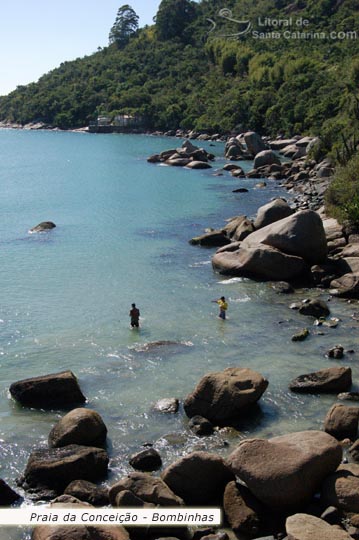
(57, 467)
(254, 142)
(346, 286)
(282, 143)
(284, 472)
(259, 262)
(307, 527)
(47, 391)
(342, 422)
(147, 488)
(271, 212)
(222, 396)
(341, 489)
(146, 460)
(211, 239)
(330, 381)
(301, 234)
(238, 228)
(266, 157)
(198, 478)
(43, 226)
(88, 492)
(80, 426)
(242, 510)
(7, 495)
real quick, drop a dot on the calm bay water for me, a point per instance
(122, 234)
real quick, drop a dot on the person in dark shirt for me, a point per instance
(135, 316)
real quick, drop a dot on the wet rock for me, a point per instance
(315, 308)
(302, 335)
(7, 495)
(88, 492)
(167, 406)
(178, 162)
(346, 286)
(154, 159)
(43, 226)
(198, 478)
(47, 391)
(221, 396)
(329, 380)
(341, 490)
(354, 451)
(274, 469)
(146, 460)
(242, 510)
(198, 165)
(336, 352)
(200, 426)
(240, 190)
(259, 262)
(282, 287)
(342, 422)
(80, 426)
(238, 228)
(306, 527)
(301, 234)
(211, 239)
(57, 467)
(147, 488)
(272, 212)
(349, 396)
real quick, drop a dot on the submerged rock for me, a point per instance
(57, 467)
(54, 390)
(329, 380)
(222, 396)
(43, 226)
(80, 426)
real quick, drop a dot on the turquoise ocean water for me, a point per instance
(122, 234)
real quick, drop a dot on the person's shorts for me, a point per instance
(222, 314)
(135, 323)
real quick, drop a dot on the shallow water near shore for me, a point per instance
(122, 234)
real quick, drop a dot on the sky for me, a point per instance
(37, 35)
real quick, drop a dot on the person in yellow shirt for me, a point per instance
(223, 306)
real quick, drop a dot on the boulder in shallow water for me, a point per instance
(146, 460)
(315, 308)
(301, 234)
(330, 381)
(7, 495)
(259, 262)
(274, 470)
(222, 396)
(47, 391)
(57, 467)
(80, 426)
(43, 226)
(88, 492)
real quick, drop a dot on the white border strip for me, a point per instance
(45, 515)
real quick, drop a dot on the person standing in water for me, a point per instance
(223, 306)
(135, 316)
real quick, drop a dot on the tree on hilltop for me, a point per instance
(125, 26)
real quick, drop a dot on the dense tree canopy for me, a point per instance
(173, 18)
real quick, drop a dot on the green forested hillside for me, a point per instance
(195, 68)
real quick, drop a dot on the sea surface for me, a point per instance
(122, 234)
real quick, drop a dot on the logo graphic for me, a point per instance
(225, 13)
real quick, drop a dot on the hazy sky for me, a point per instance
(37, 35)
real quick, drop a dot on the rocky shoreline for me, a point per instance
(297, 486)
